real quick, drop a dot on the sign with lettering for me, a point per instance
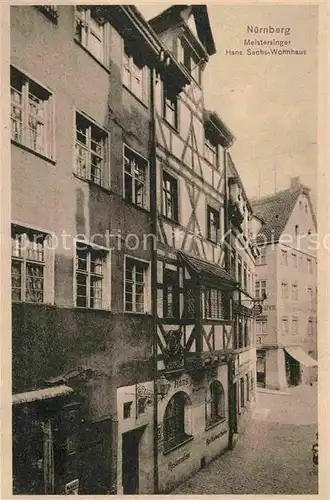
(269, 307)
(72, 487)
(175, 463)
(216, 436)
(181, 383)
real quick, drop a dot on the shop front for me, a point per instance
(193, 425)
(46, 442)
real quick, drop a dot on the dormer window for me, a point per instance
(188, 57)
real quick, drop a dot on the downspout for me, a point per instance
(153, 211)
(227, 267)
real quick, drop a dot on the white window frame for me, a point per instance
(147, 287)
(261, 326)
(310, 297)
(285, 290)
(87, 147)
(47, 263)
(173, 180)
(284, 321)
(295, 326)
(32, 109)
(261, 259)
(259, 289)
(132, 74)
(85, 23)
(284, 258)
(295, 291)
(132, 175)
(106, 275)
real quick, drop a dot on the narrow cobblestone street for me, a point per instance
(274, 454)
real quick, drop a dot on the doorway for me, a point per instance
(293, 372)
(261, 369)
(130, 461)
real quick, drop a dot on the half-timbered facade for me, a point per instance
(195, 315)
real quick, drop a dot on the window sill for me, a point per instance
(173, 447)
(134, 205)
(106, 68)
(135, 96)
(85, 309)
(173, 221)
(91, 183)
(172, 127)
(138, 313)
(214, 424)
(40, 155)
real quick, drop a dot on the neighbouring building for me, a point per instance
(82, 314)
(132, 293)
(286, 332)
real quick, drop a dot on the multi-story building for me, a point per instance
(124, 296)
(82, 315)
(241, 262)
(286, 333)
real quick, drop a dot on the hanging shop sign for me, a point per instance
(72, 487)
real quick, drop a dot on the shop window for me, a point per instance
(215, 404)
(175, 421)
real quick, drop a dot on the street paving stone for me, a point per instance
(273, 456)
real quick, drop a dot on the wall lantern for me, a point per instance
(163, 386)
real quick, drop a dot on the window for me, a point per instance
(127, 409)
(296, 230)
(261, 289)
(294, 291)
(239, 271)
(135, 75)
(215, 404)
(294, 260)
(309, 266)
(261, 326)
(171, 294)
(310, 326)
(285, 290)
(136, 178)
(284, 257)
(170, 107)
(50, 11)
(91, 151)
(170, 197)
(310, 297)
(91, 32)
(174, 420)
(31, 114)
(247, 376)
(261, 259)
(29, 265)
(213, 224)
(189, 59)
(233, 263)
(245, 277)
(135, 285)
(91, 278)
(242, 395)
(294, 326)
(285, 326)
(216, 304)
(211, 152)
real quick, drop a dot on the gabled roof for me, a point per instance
(275, 210)
(176, 14)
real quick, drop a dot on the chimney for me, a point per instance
(295, 182)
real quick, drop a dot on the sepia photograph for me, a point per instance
(164, 248)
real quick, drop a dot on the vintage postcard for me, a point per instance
(162, 168)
